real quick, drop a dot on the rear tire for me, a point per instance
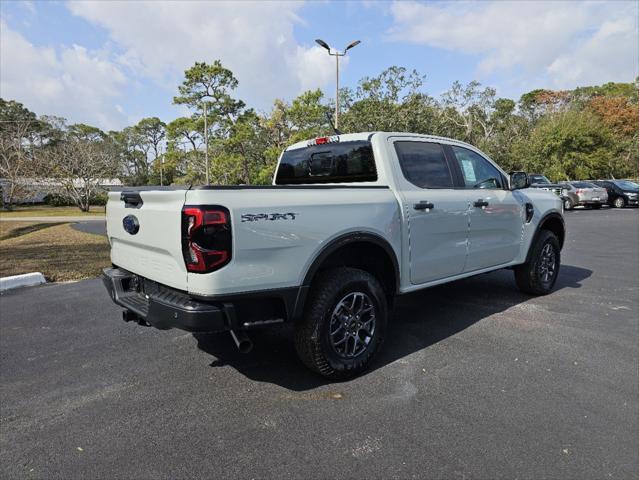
(568, 205)
(538, 275)
(619, 202)
(344, 323)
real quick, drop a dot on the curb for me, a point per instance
(24, 280)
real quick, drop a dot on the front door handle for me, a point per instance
(480, 203)
(423, 205)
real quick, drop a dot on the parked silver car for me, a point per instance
(583, 193)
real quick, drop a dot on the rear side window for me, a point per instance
(328, 163)
(424, 164)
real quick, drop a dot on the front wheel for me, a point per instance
(538, 275)
(620, 202)
(344, 323)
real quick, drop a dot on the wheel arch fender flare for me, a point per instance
(554, 222)
(334, 246)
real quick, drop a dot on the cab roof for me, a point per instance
(353, 137)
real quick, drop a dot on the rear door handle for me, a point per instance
(480, 203)
(423, 205)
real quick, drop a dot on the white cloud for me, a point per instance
(150, 45)
(314, 67)
(253, 39)
(556, 44)
(71, 82)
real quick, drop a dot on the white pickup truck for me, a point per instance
(350, 222)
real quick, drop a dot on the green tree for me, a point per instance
(151, 134)
(207, 89)
(391, 101)
(568, 145)
(88, 133)
(132, 154)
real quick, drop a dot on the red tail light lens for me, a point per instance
(206, 238)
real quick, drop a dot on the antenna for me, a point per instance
(330, 122)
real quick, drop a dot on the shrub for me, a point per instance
(55, 200)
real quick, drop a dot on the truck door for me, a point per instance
(436, 218)
(496, 217)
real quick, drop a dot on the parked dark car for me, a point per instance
(583, 193)
(620, 192)
(538, 180)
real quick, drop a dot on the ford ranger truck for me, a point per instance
(350, 222)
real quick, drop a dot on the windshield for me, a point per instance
(538, 179)
(627, 184)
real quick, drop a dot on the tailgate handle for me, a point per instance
(131, 199)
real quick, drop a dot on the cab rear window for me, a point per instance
(342, 162)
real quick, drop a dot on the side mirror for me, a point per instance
(519, 180)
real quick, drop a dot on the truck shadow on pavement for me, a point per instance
(418, 320)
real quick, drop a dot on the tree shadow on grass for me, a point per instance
(8, 232)
(418, 320)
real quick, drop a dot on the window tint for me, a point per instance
(424, 164)
(328, 163)
(582, 185)
(626, 184)
(538, 179)
(477, 172)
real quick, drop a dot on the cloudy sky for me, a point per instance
(111, 63)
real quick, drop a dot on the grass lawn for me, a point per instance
(47, 211)
(60, 252)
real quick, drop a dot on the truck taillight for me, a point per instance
(206, 238)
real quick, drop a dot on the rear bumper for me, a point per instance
(593, 202)
(164, 307)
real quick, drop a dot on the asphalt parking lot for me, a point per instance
(476, 381)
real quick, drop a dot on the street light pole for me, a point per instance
(336, 53)
(206, 143)
(336, 91)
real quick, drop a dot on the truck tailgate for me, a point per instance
(155, 250)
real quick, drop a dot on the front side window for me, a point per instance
(477, 172)
(424, 164)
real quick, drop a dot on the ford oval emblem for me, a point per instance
(131, 224)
